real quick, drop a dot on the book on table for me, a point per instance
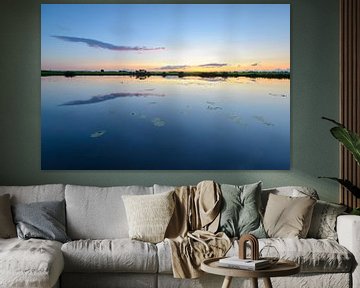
(236, 262)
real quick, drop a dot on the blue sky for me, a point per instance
(163, 36)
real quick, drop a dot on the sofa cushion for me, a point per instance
(287, 216)
(164, 257)
(43, 220)
(37, 193)
(98, 213)
(323, 222)
(117, 255)
(313, 255)
(240, 210)
(291, 191)
(30, 263)
(163, 188)
(149, 215)
(7, 226)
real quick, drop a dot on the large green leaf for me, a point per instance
(348, 138)
(347, 184)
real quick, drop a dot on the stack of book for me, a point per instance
(248, 264)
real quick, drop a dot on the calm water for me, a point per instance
(125, 123)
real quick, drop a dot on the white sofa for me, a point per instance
(101, 255)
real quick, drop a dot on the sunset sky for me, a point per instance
(164, 37)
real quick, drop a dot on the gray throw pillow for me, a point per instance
(7, 227)
(44, 220)
(240, 213)
(323, 222)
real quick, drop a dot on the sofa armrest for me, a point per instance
(348, 230)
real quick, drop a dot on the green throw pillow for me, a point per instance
(240, 213)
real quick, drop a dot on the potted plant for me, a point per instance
(351, 141)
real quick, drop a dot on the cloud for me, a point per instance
(98, 44)
(102, 98)
(209, 65)
(173, 67)
(254, 64)
(213, 65)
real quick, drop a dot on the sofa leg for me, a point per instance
(227, 282)
(267, 282)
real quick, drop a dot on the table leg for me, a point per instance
(254, 282)
(227, 282)
(267, 283)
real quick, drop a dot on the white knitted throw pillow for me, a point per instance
(149, 215)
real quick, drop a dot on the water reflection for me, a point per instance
(189, 123)
(102, 98)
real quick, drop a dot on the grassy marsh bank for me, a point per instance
(180, 74)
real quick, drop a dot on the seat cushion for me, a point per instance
(30, 263)
(98, 212)
(313, 255)
(117, 255)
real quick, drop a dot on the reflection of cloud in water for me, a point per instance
(141, 115)
(102, 98)
(212, 106)
(236, 119)
(278, 95)
(214, 79)
(200, 81)
(97, 134)
(158, 122)
(263, 121)
(189, 83)
(153, 102)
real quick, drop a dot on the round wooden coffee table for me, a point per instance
(281, 268)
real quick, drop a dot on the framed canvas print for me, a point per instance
(165, 86)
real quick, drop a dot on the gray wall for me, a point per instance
(314, 93)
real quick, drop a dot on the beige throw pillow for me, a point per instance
(149, 215)
(288, 217)
(7, 226)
